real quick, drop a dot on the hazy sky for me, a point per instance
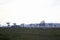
(29, 11)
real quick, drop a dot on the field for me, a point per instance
(29, 34)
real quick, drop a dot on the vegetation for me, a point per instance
(29, 34)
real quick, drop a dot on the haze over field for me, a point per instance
(29, 11)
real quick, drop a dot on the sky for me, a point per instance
(29, 11)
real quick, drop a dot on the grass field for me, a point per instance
(29, 34)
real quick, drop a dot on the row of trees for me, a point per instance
(14, 24)
(42, 23)
(8, 24)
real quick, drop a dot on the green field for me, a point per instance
(29, 34)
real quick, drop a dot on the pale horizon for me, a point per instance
(29, 11)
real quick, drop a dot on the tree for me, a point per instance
(42, 23)
(14, 24)
(8, 23)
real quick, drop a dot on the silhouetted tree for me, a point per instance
(14, 24)
(8, 23)
(42, 23)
